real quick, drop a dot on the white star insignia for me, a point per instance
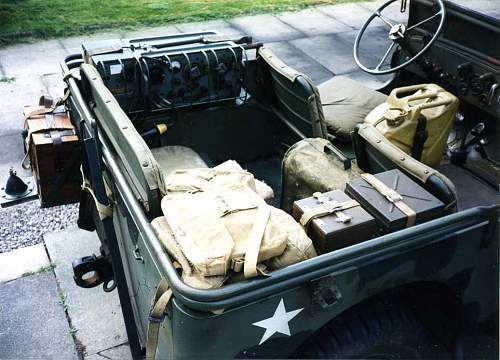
(278, 322)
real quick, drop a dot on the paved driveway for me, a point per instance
(316, 41)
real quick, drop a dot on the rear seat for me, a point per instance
(174, 157)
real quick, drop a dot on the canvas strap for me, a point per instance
(393, 196)
(104, 211)
(327, 207)
(254, 241)
(49, 106)
(156, 316)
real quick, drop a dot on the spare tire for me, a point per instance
(374, 330)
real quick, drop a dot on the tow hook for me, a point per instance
(325, 291)
(91, 271)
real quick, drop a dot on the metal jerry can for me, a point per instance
(418, 123)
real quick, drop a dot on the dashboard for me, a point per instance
(466, 57)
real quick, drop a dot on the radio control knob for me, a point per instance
(483, 99)
(428, 64)
(463, 88)
(464, 71)
(487, 78)
(476, 85)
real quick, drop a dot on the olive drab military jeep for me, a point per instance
(150, 109)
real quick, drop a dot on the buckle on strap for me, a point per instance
(328, 204)
(392, 195)
(333, 207)
(156, 318)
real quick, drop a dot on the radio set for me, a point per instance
(160, 73)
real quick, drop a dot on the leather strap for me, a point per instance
(49, 118)
(419, 138)
(327, 207)
(393, 196)
(156, 316)
(254, 241)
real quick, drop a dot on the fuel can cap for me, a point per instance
(394, 116)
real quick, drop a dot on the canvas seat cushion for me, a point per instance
(346, 103)
(172, 158)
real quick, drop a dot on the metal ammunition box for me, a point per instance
(389, 216)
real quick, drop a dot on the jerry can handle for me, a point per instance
(424, 95)
(434, 104)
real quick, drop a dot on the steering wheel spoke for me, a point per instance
(384, 19)
(384, 58)
(398, 35)
(423, 21)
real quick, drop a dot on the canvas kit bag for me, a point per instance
(310, 166)
(217, 227)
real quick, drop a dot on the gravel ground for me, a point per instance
(23, 225)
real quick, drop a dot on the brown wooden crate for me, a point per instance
(50, 161)
(327, 233)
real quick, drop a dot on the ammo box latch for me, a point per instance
(91, 271)
(325, 291)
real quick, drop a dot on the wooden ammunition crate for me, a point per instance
(328, 232)
(54, 154)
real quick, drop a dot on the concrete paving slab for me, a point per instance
(149, 32)
(14, 264)
(479, 5)
(15, 94)
(391, 12)
(28, 59)
(11, 155)
(54, 85)
(368, 80)
(266, 28)
(121, 352)
(331, 51)
(95, 314)
(351, 14)
(313, 22)
(494, 13)
(298, 60)
(32, 320)
(373, 45)
(222, 26)
(73, 44)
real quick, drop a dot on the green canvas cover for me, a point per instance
(307, 169)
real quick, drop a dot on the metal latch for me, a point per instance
(91, 271)
(325, 291)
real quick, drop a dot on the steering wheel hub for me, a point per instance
(397, 32)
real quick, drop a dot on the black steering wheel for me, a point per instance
(397, 33)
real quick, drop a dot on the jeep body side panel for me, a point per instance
(468, 268)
